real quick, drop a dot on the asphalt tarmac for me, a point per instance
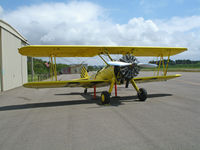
(66, 119)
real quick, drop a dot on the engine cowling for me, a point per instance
(126, 73)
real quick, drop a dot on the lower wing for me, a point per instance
(70, 83)
(155, 78)
(91, 83)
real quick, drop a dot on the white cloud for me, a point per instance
(86, 23)
(177, 24)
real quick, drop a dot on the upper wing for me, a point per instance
(155, 78)
(70, 83)
(90, 51)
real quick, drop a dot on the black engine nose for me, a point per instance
(126, 73)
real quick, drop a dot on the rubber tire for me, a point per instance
(142, 95)
(105, 97)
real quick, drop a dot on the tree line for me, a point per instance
(176, 62)
(41, 67)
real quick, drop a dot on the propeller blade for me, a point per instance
(118, 63)
(147, 65)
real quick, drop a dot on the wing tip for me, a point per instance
(178, 75)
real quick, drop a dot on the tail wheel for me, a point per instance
(142, 95)
(105, 97)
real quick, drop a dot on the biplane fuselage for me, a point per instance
(106, 73)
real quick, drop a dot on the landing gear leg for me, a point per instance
(111, 86)
(142, 93)
(85, 91)
(94, 92)
(115, 89)
(105, 96)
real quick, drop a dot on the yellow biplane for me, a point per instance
(115, 72)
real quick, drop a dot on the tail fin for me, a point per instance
(84, 73)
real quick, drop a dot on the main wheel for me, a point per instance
(105, 97)
(142, 95)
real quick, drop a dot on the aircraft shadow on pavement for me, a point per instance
(115, 101)
(75, 93)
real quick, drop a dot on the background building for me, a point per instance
(13, 66)
(73, 69)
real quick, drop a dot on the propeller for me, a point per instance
(118, 63)
(127, 68)
(147, 65)
(122, 64)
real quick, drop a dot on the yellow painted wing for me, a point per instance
(71, 83)
(92, 83)
(90, 51)
(155, 78)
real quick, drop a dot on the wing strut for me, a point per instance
(167, 65)
(107, 53)
(103, 59)
(53, 71)
(162, 64)
(159, 66)
(51, 67)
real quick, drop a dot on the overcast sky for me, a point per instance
(174, 23)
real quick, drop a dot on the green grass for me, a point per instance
(37, 77)
(186, 66)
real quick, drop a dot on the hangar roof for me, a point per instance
(10, 29)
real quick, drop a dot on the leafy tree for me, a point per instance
(39, 66)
